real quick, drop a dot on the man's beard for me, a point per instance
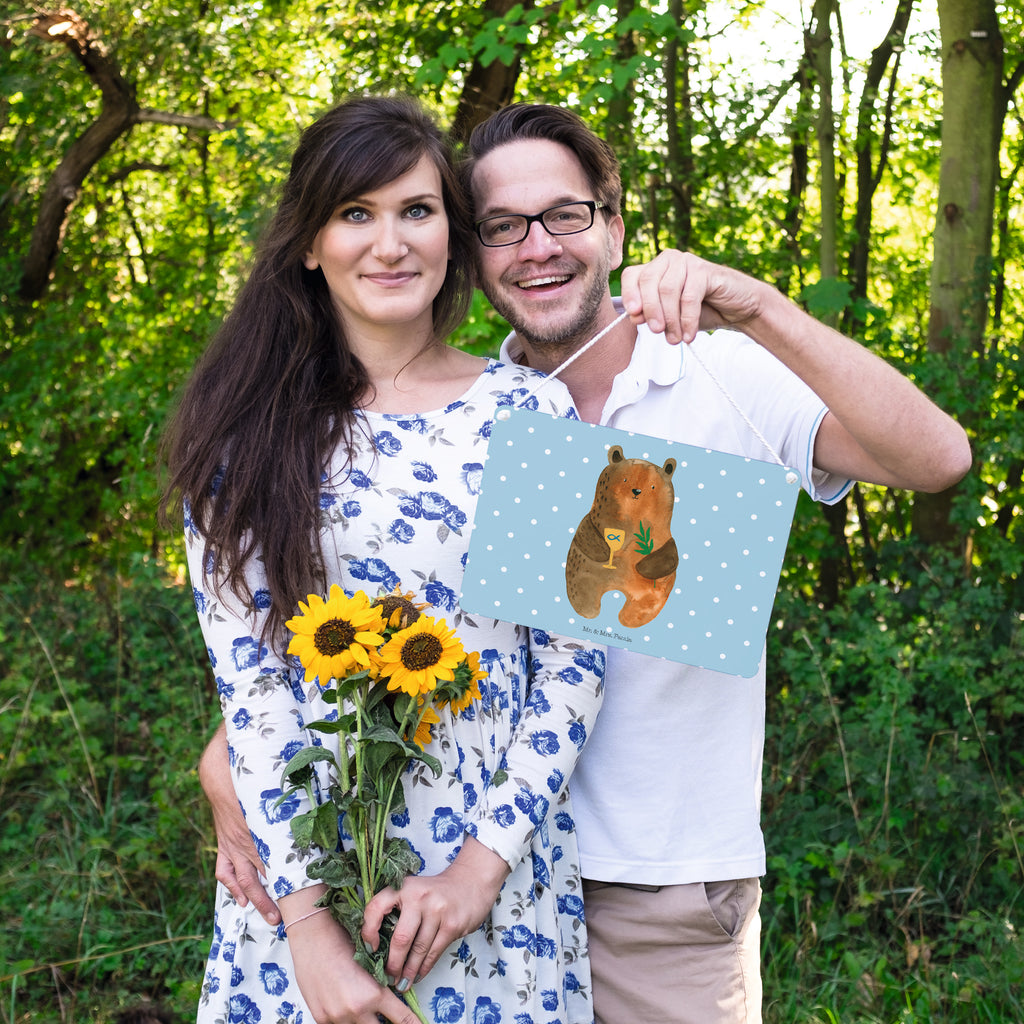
(569, 335)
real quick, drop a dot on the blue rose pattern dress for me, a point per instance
(402, 516)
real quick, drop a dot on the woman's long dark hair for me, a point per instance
(273, 396)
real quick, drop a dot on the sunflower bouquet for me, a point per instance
(390, 669)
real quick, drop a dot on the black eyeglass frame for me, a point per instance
(591, 204)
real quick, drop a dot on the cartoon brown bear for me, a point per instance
(625, 541)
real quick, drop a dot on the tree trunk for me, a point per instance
(117, 115)
(487, 89)
(819, 55)
(973, 105)
(797, 195)
(972, 117)
(869, 170)
(619, 130)
(679, 132)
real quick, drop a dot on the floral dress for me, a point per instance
(401, 515)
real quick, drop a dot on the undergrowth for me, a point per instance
(106, 878)
(893, 799)
(894, 802)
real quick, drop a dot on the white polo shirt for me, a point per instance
(668, 789)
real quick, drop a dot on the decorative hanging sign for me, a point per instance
(627, 540)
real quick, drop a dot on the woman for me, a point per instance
(329, 435)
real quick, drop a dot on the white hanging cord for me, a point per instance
(692, 351)
(593, 341)
(732, 401)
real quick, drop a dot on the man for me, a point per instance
(667, 792)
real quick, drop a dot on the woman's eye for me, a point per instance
(419, 211)
(354, 214)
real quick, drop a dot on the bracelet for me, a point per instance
(312, 913)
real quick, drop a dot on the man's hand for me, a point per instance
(880, 427)
(678, 293)
(238, 864)
(435, 910)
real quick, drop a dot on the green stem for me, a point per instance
(411, 720)
(344, 766)
(414, 1004)
(380, 832)
(360, 834)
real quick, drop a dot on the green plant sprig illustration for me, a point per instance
(644, 544)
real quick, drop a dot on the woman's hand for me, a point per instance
(435, 910)
(336, 989)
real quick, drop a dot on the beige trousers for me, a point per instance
(675, 954)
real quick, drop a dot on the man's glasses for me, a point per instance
(564, 219)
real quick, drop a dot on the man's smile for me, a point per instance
(540, 282)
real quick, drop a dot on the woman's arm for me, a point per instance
(565, 693)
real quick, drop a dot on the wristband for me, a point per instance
(312, 913)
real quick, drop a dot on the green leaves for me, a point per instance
(338, 869)
(644, 544)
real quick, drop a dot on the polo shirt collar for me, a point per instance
(653, 360)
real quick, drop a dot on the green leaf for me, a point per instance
(343, 800)
(339, 869)
(381, 732)
(644, 544)
(302, 826)
(299, 768)
(398, 861)
(827, 298)
(428, 759)
(377, 701)
(384, 762)
(372, 963)
(325, 826)
(329, 726)
(350, 684)
(453, 55)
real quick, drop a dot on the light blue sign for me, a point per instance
(627, 540)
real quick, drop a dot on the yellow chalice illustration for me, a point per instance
(615, 538)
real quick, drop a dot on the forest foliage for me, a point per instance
(816, 145)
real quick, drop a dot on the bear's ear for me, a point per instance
(669, 467)
(614, 455)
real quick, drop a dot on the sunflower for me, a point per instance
(400, 609)
(417, 657)
(423, 734)
(332, 636)
(472, 693)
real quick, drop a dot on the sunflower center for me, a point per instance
(421, 651)
(334, 636)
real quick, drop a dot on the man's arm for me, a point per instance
(881, 428)
(238, 864)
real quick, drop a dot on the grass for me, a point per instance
(107, 880)
(893, 808)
